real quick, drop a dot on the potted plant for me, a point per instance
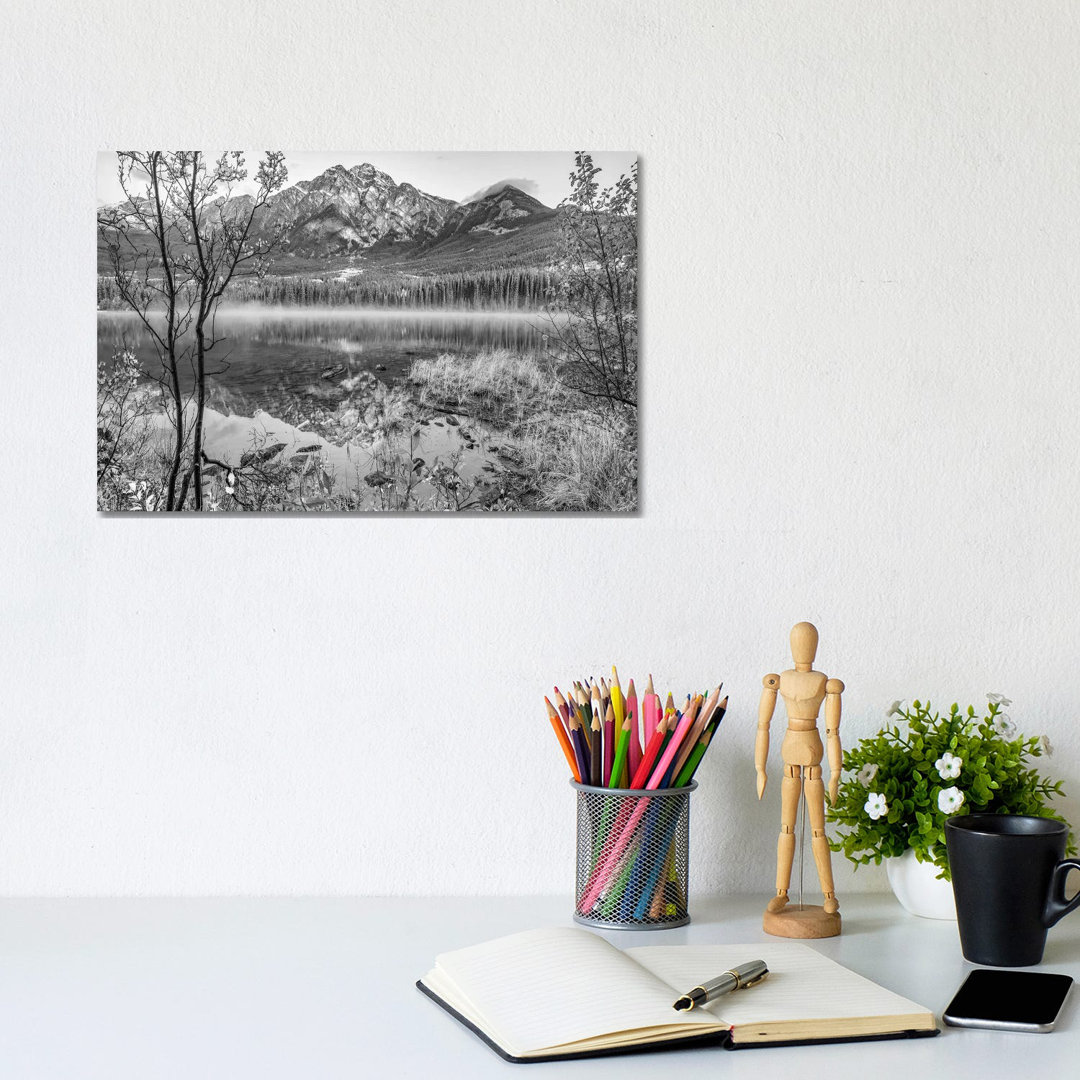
(898, 788)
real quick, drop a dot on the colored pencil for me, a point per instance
(596, 755)
(597, 707)
(698, 753)
(609, 743)
(687, 771)
(672, 748)
(633, 759)
(564, 740)
(648, 758)
(659, 867)
(704, 713)
(685, 726)
(585, 714)
(618, 708)
(614, 741)
(577, 739)
(622, 749)
(627, 832)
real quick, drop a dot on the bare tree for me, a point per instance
(597, 290)
(125, 431)
(174, 245)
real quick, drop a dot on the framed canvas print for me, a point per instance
(367, 331)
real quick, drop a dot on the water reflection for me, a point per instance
(266, 352)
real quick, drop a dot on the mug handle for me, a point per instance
(1056, 904)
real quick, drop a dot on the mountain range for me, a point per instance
(345, 212)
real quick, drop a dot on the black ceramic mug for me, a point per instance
(1008, 876)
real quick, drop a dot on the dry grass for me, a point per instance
(497, 385)
(573, 458)
(580, 465)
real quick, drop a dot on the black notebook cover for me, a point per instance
(717, 1038)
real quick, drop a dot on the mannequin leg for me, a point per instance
(815, 805)
(790, 790)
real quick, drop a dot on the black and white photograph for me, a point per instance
(360, 331)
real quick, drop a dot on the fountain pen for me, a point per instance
(738, 978)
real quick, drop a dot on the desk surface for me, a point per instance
(323, 988)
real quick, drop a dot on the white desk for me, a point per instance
(323, 988)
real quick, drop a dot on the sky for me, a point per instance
(458, 175)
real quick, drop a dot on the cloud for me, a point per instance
(530, 187)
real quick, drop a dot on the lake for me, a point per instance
(272, 353)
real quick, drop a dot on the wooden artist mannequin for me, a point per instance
(803, 691)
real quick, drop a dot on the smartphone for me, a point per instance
(1013, 1000)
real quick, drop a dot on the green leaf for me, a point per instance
(994, 778)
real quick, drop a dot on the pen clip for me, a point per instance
(754, 981)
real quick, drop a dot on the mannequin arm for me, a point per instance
(833, 689)
(761, 744)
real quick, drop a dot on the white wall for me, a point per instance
(860, 334)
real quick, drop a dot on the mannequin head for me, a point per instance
(804, 641)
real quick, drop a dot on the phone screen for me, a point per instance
(1015, 1000)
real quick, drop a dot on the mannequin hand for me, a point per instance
(834, 788)
(761, 779)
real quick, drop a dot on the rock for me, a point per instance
(253, 457)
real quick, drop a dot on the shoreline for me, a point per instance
(377, 448)
(341, 311)
(494, 430)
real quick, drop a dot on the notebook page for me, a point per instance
(802, 984)
(545, 988)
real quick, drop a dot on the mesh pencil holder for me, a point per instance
(633, 857)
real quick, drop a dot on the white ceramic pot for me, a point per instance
(917, 886)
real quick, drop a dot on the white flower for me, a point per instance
(948, 766)
(998, 699)
(1047, 748)
(950, 800)
(1003, 725)
(866, 774)
(895, 709)
(876, 806)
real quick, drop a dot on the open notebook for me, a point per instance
(562, 992)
